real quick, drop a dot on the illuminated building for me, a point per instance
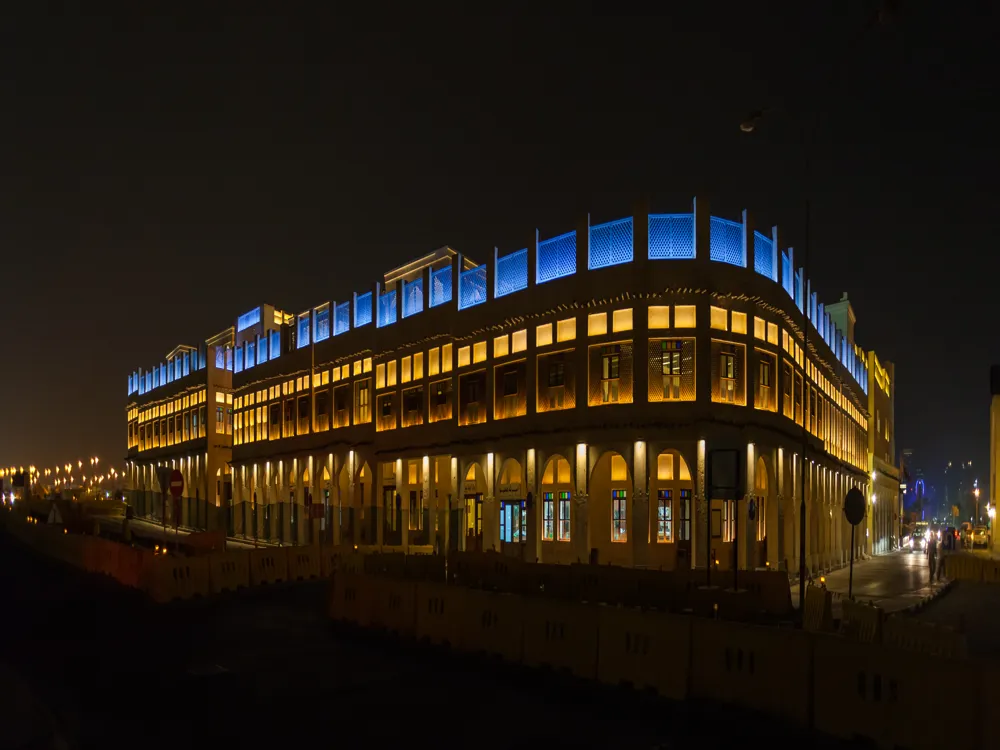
(884, 498)
(179, 415)
(559, 399)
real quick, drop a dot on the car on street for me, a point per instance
(919, 536)
(980, 537)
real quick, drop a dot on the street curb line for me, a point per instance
(914, 608)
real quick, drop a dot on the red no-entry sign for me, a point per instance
(176, 483)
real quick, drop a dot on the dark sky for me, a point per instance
(162, 175)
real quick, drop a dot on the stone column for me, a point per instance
(491, 508)
(456, 494)
(639, 521)
(403, 498)
(533, 550)
(700, 536)
(580, 517)
(428, 499)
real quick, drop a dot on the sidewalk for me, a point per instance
(154, 530)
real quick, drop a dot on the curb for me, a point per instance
(927, 600)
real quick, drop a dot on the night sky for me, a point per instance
(163, 175)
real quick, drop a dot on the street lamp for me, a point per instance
(976, 493)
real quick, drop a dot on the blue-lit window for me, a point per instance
(230, 357)
(763, 256)
(203, 356)
(726, 242)
(275, 344)
(170, 371)
(611, 244)
(787, 275)
(163, 373)
(472, 287)
(341, 318)
(187, 363)
(302, 333)
(413, 296)
(797, 287)
(556, 258)
(251, 354)
(321, 323)
(238, 359)
(440, 286)
(262, 349)
(363, 309)
(511, 273)
(387, 308)
(671, 237)
(248, 319)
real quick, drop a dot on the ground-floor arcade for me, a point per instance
(624, 502)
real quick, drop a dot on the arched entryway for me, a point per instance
(556, 505)
(473, 490)
(302, 517)
(758, 514)
(365, 517)
(610, 510)
(671, 493)
(513, 508)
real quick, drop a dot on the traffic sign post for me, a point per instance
(163, 476)
(854, 511)
(176, 489)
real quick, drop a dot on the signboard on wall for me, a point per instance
(511, 491)
(469, 487)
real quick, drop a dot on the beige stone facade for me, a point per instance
(562, 402)
(179, 416)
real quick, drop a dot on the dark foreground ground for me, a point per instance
(973, 608)
(102, 668)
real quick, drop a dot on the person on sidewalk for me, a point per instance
(932, 555)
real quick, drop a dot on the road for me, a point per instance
(265, 669)
(894, 581)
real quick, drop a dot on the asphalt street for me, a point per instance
(104, 668)
(894, 581)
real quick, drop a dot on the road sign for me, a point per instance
(854, 510)
(854, 506)
(176, 483)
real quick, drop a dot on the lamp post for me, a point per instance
(976, 493)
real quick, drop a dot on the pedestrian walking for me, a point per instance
(932, 554)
